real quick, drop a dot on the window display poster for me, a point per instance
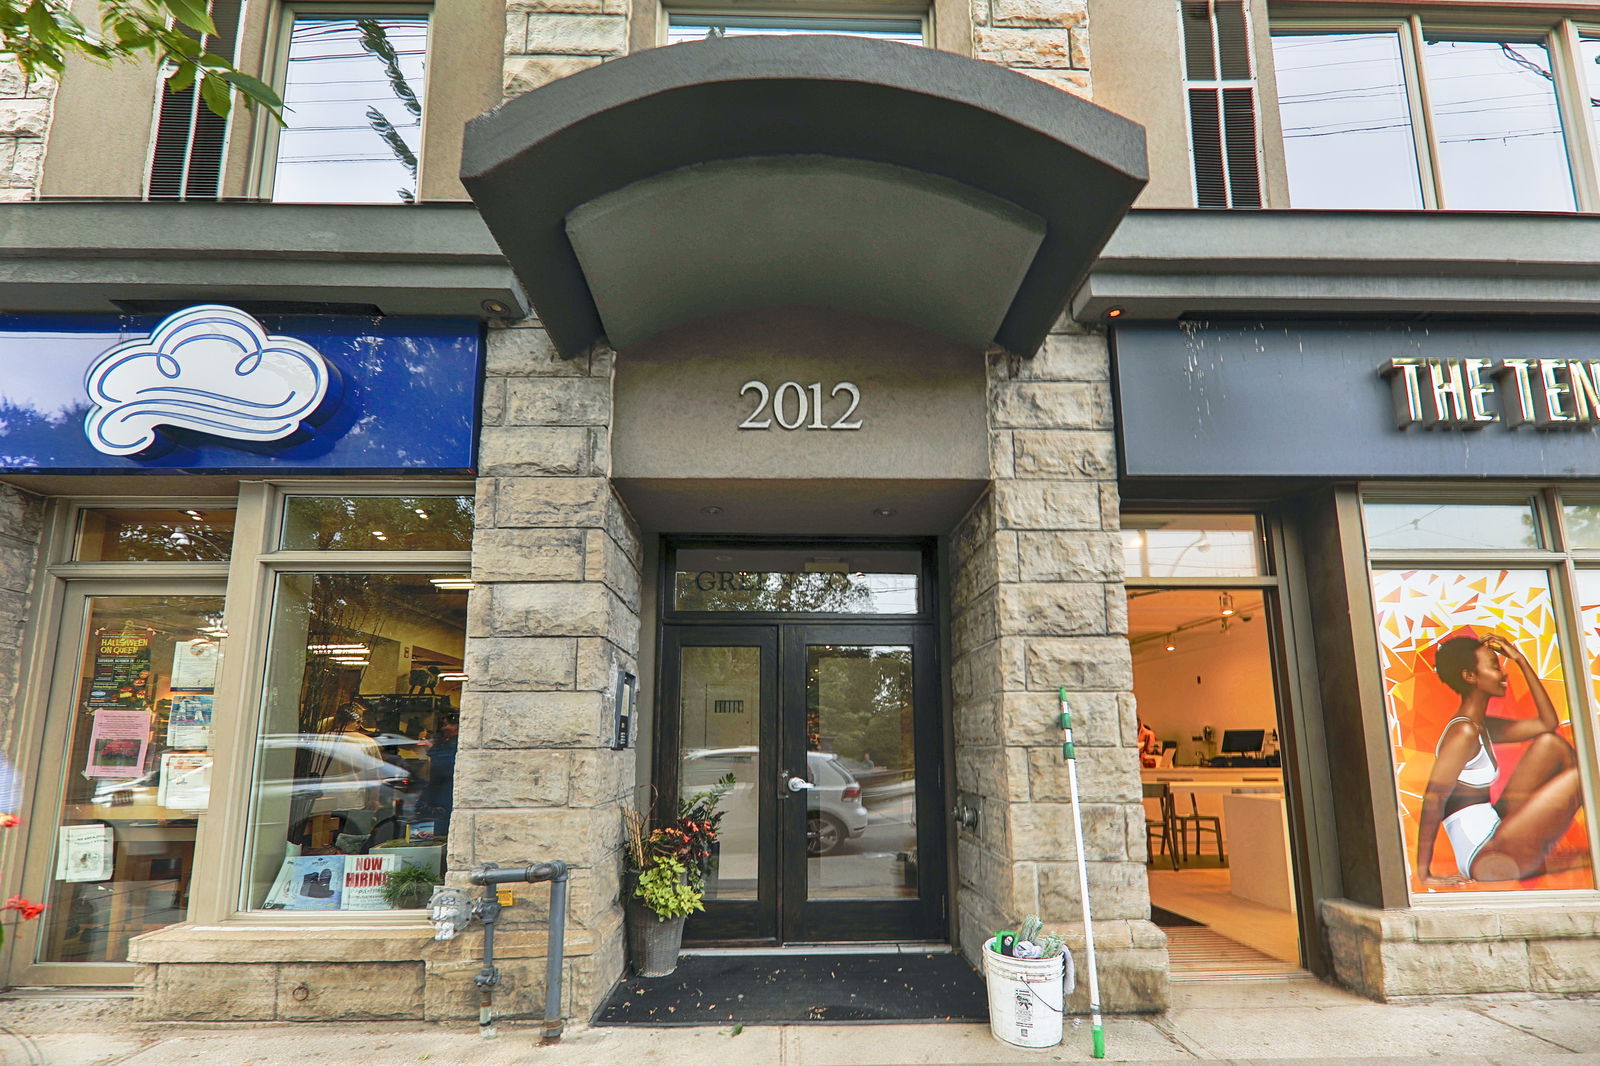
(1480, 731)
(121, 668)
(118, 742)
(307, 883)
(84, 853)
(194, 666)
(185, 781)
(364, 878)
(189, 722)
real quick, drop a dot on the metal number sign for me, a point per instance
(797, 406)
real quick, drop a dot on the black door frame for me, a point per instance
(778, 915)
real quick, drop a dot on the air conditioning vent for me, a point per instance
(1221, 88)
(187, 161)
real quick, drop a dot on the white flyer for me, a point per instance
(84, 853)
(185, 781)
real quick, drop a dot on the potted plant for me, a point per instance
(666, 877)
(409, 887)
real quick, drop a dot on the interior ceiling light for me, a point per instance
(457, 582)
(885, 512)
(1225, 605)
(338, 649)
(1172, 644)
(194, 514)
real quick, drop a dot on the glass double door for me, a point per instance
(822, 742)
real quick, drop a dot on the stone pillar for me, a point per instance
(549, 39)
(25, 109)
(1045, 39)
(21, 524)
(1038, 603)
(556, 559)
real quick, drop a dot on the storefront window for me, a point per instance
(1438, 524)
(791, 581)
(1190, 545)
(107, 534)
(1485, 756)
(356, 754)
(377, 523)
(137, 773)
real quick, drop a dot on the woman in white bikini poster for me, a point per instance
(1507, 838)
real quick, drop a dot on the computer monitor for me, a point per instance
(1243, 741)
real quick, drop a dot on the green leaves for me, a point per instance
(39, 36)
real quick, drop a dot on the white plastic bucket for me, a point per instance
(1026, 997)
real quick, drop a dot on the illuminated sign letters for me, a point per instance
(1460, 393)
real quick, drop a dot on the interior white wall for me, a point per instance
(1223, 680)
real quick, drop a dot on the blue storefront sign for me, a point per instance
(212, 388)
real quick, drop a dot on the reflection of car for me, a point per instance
(834, 812)
(337, 771)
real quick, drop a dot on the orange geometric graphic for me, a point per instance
(1417, 610)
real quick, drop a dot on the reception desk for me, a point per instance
(1208, 786)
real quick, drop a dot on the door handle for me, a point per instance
(799, 784)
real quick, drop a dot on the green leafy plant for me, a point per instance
(409, 887)
(665, 890)
(39, 36)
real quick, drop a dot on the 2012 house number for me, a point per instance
(796, 406)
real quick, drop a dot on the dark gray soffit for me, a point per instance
(1163, 264)
(532, 161)
(425, 259)
(775, 230)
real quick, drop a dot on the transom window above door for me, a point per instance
(1402, 113)
(798, 581)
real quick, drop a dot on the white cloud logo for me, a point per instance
(208, 368)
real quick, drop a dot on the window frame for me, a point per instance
(1559, 36)
(261, 175)
(922, 12)
(1561, 563)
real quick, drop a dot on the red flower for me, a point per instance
(9, 820)
(28, 909)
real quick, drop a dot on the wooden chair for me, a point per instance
(1200, 823)
(1166, 826)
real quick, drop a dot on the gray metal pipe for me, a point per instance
(490, 874)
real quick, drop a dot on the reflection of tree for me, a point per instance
(774, 591)
(409, 523)
(29, 437)
(868, 709)
(375, 40)
(168, 541)
(339, 609)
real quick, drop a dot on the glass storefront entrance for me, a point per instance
(826, 734)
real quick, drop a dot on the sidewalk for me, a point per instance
(1256, 1022)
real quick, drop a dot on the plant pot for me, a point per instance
(652, 942)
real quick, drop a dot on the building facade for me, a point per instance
(576, 403)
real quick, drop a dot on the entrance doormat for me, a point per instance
(757, 989)
(1168, 919)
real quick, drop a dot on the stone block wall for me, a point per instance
(1037, 603)
(1464, 949)
(556, 558)
(25, 109)
(21, 526)
(550, 39)
(1045, 39)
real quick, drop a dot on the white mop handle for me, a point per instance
(1069, 751)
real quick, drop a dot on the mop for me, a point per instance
(1069, 753)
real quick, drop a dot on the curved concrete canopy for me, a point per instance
(1036, 163)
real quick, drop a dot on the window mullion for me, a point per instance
(1572, 98)
(1411, 43)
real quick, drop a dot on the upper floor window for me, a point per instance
(1396, 114)
(353, 98)
(697, 25)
